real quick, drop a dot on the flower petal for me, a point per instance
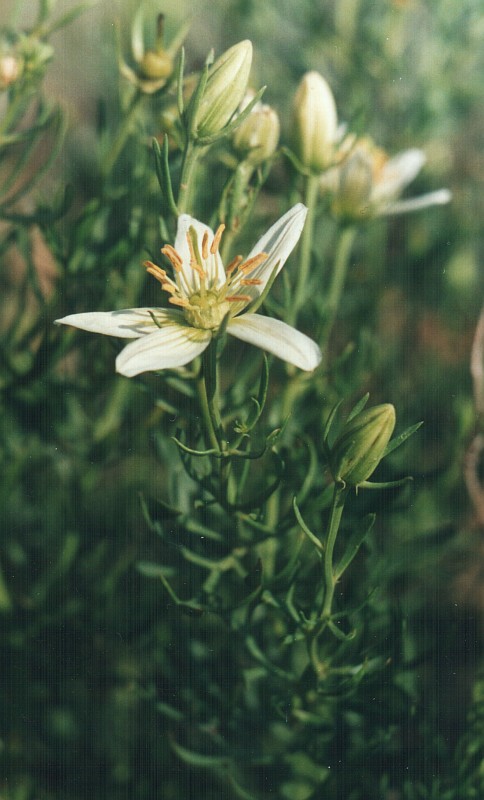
(278, 338)
(396, 174)
(129, 323)
(438, 198)
(174, 345)
(189, 280)
(279, 241)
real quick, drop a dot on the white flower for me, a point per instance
(368, 183)
(205, 293)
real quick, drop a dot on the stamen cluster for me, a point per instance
(203, 288)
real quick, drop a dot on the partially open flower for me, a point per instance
(153, 66)
(361, 445)
(368, 183)
(315, 123)
(205, 295)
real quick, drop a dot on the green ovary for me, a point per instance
(207, 311)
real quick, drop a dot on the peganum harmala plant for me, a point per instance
(273, 635)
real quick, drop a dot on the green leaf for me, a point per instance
(151, 570)
(358, 407)
(353, 546)
(394, 443)
(199, 759)
(312, 536)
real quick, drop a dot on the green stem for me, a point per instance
(14, 111)
(330, 580)
(337, 282)
(207, 396)
(190, 158)
(236, 211)
(122, 135)
(300, 291)
(5, 601)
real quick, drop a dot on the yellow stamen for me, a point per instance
(156, 271)
(216, 239)
(205, 246)
(252, 263)
(239, 298)
(179, 301)
(168, 287)
(233, 264)
(172, 257)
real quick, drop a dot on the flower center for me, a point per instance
(198, 289)
(206, 311)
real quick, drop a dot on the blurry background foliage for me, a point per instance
(98, 665)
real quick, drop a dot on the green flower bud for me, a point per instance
(257, 137)
(315, 123)
(156, 64)
(360, 447)
(225, 89)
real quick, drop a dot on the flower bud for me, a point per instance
(257, 137)
(10, 70)
(156, 64)
(352, 197)
(315, 123)
(361, 445)
(225, 89)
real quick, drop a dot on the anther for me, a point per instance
(216, 239)
(156, 271)
(233, 264)
(172, 257)
(239, 298)
(179, 301)
(252, 263)
(205, 246)
(250, 282)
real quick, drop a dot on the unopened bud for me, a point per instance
(315, 123)
(225, 89)
(10, 70)
(257, 137)
(156, 64)
(361, 445)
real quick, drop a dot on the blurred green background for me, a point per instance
(90, 647)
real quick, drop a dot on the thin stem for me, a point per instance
(5, 600)
(207, 383)
(300, 291)
(337, 282)
(206, 408)
(190, 158)
(339, 497)
(14, 111)
(122, 135)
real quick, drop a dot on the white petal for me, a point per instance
(278, 242)
(396, 174)
(278, 338)
(129, 323)
(174, 345)
(137, 43)
(189, 281)
(437, 198)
